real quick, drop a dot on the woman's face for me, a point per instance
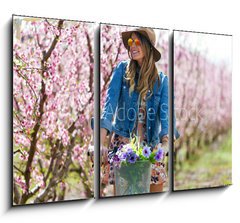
(136, 49)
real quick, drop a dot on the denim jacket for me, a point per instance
(121, 108)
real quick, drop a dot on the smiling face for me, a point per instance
(136, 50)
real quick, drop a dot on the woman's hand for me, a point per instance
(165, 145)
(103, 133)
(104, 155)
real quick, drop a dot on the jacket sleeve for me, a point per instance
(164, 112)
(112, 97)
(176, 133)
(164, 108)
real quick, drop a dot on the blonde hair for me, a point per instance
(148, 71)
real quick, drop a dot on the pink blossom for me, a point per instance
(21, 182)
(24, 156)
(65, 69)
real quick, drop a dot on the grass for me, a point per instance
(212, 167)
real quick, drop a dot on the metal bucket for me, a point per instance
(133, 178)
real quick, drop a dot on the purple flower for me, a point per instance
(129, 150)
(116, 158)
(116, 161)
(132, 158)
(146, 151)
(120, 147)
(123, 156)
(159, 154)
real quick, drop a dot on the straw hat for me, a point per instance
(149, 34)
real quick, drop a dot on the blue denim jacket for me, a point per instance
(121, 109)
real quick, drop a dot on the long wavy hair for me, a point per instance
(148, 72)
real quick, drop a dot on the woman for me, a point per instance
(137, 100)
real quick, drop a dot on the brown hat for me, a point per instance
(149, 34)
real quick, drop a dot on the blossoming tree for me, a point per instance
(202, 88)
(52, 106)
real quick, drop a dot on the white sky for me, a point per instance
(217, 48)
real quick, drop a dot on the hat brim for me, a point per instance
(126, 35)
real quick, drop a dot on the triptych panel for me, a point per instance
(53, 103)
(53, 95)
(130, 118)
(203, 105)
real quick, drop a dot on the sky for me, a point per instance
(216, 48)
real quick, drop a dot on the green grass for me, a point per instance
(212, 167)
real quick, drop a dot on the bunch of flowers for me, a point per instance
(134, 151)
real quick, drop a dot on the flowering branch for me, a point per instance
(32, 149)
